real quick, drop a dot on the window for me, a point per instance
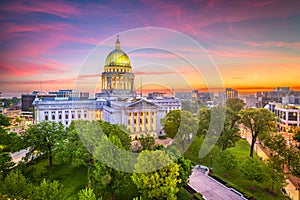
(53, 117)
(66, 116)
(46, 117)
(85, 115)
(292, 116)
(73, 116)
(67, 122)
(79, 116)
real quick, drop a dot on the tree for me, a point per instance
(277, 145)
(293, 162)
(16, 186)
(10, 141)
(181, 126)
(109, 180)
(252, 170)
(87, 194)
(185, 170)
(275, 173)
(171, 123)
(4, 121)
(297, 136)
(44, 138)
(48, 190)
(259, 121)
(73, 150)
(229, 132)
(235, 104)
(5, 163)
(227, 161)
(156, 176)
(147, 142)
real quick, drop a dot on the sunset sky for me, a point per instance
(254, 45)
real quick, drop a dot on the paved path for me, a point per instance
(211, 189)
(17, 156)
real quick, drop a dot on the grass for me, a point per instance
(241, 151)
(73, 178)
(184, 195)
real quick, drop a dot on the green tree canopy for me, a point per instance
(156, 182)
(44, 138)
(4, 121)
(49, 190)
(87, 194)
(253, 170)
(275, 173)
(181, 126)
(259, 121)
(227, 161)
(229, 131)
(235, 104)
(16, 186)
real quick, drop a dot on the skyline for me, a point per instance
(254, 45)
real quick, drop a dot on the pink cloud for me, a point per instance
(293, 45)
(29, 68)
(61, 9)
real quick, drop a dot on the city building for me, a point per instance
(205, 98)
(287, 113)
(274, 96)
(70, 93)
(230, 93)
(250, 101)
(227, 94)
(117, 103)
(183, 96)
(27, 99)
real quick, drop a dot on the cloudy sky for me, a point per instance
(254, 45)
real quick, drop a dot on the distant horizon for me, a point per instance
(253, 46)
(242, 92)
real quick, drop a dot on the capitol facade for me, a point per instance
(117, 103)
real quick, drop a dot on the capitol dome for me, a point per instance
(117, 57)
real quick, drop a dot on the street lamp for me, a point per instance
(211, 161)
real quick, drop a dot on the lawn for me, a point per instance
(241, 151)
(73, 178)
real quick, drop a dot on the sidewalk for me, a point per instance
(210, 188)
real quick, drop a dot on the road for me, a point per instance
(210, 188)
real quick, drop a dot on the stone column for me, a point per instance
(144, 121)
(132, 122)
(138, 121)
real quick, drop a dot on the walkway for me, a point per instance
(17, 156)
(211, 189)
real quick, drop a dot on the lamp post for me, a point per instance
(211, 162)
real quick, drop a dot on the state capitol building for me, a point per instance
(117, 103)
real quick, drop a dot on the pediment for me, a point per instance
(142, 103)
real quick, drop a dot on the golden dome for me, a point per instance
(117, 57)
